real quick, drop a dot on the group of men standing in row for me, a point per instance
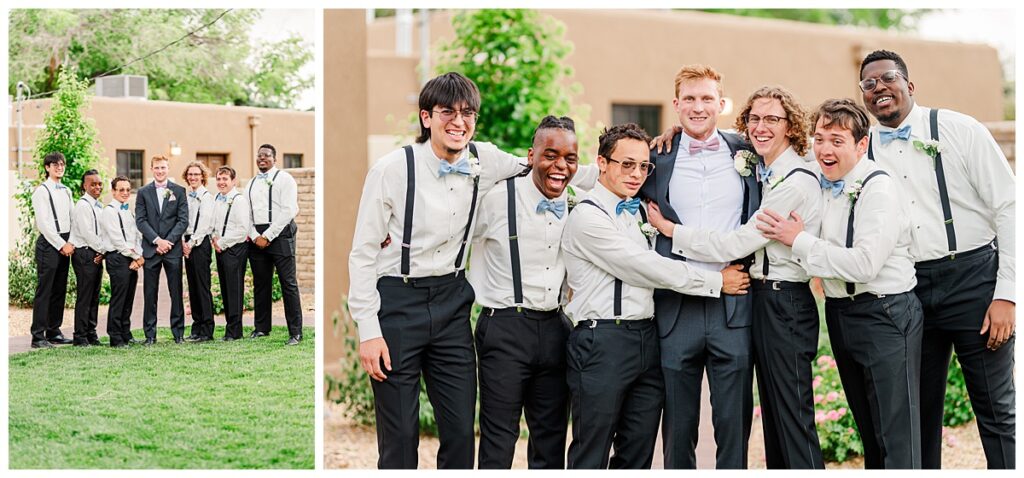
(710, 276)
(170, 224)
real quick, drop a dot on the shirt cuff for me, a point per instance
(368, 329)
(802, 247)
(713, 283)
(1004, 291)
(681, 236)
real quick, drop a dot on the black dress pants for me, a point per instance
(231, 270)
(877, 346)
(280, 255)
(200, 297)
(522, 367)
(88, 278)
(123, 281)
(955, 295)
(425, 323)
(151, 289)
(51, 290)
(616, 394)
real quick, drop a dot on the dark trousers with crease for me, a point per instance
(425, 323)
(522, 368)
(231, 270)
(88, 277)
(616, 394)
(877, 347)
(200, 296)
(280, 255)
(955, 295)
(51, 290)
(785, 337)
(122, 296)
(151, 288)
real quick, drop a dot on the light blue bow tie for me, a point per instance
(630, 205)
(60, 186)
(836, 186)
(556, 207)
(262, 175)
(221, 197)
(98, 204)
(461, 167)
(888, 136)
(763, 172)
(193, 194)
(124, 207)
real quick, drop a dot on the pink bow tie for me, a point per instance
(709, 145)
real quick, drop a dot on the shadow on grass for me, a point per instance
(241, 404)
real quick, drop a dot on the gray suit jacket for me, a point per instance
(168, 223)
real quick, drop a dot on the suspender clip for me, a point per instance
(518, 308)
(593, 324)
(775, 285)
(405, 279)
(952, 255)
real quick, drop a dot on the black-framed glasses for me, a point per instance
(264, 156)
(888, 78)
(770, 120)
(628, 165)
(448, 114)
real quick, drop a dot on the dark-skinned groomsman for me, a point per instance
(51, 203)
(87, 260)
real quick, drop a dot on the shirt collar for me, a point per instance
(158, 185)
(89, 199)
(605, 198)
(200, 191)
(434, 162)
(786, 162)
(117, 204)
(532, 193)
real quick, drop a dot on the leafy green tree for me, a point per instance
(884, 18)
(215, 64)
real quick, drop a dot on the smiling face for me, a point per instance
(265, 159)
(159, 169)
(194, 175)
(613, 176)
(554, 160)
(122, 191)
(55, 171)
(698, 103)
(888, 103)
(448, 135)
(769, 140)
(835, 149)
(224, 182)
(93, 185)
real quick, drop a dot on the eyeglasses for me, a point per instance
(448, 114)
(888, 78)
(264, 155)
(770, 120)
(628, 165)
(123, 190)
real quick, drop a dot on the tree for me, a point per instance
(517, 59)
(884, 18)
(216, 64)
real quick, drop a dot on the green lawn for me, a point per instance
(242, 404)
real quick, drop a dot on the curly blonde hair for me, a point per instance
(796, 116)
(202, 169)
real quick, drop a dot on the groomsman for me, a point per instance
(161, 213)
(408, 293)
(124, 258)
(863, 256)
(517, 273)
(274, 198)
(615, 377)
(962, 211)
(51, 203)
(231, 223)
(87, 259)
(696, 184)
(195, 246)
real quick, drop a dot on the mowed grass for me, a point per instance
(241, 404)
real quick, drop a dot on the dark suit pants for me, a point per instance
(122, 296)
(51, 290)
(617, 392)
(280, 255)
(151, 289)
(955, 295)
(200, 297)
(702, 339)
(522, 366)
(231, 271)
(88, 277)
(877, 347)
(785, 336)
(425, 323)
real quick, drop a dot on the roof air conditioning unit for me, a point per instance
(123, 86)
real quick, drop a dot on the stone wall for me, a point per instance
(305, 246)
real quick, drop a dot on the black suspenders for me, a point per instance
(270, 200)
(410, 198)
(227, 216)
(849, 222)
(199, 211)
(764, 267)
(120, 221)
(53, 208)
(940, 177)
(513, 244)
(617, 300)
(95, 221)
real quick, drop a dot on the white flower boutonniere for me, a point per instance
(744, 162)
(167, 193)
(853, 191)
(648, 229)
(268, 182)
(930, 147)
(775, 181)
(571, 200)
(231, 200)
(474, 167)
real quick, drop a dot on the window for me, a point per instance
(212, 161)
(129, 165)
(292, 161)
(647, 116)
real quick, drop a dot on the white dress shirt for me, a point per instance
(44, 214)
(540, 258)
(85, 224)
(979, 181)
(238, 225)
(119, 230)
(440, 214)
(879, 261)
(202, 206)
(800, 193)
(598, 248)
(706, 191)
(284, 205)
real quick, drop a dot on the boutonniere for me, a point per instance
(474, 167)
(744, 162)
(775, 181)
(231, 200)
(853, 191)
(571, 200)
(930, 147)
(167, 193)
(647, 229)
(268, 182)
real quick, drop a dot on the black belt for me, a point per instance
(521, 312)
(762, 284)
(991, 246)
(629, 324)
(420, 281)
(861, 298)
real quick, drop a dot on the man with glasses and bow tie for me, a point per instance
(124, 258)
(198, 252)
(960, 191)
(273, 197)
(51, 203)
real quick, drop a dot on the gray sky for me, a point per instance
(278, 24)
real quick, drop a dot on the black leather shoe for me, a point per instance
(80, 344)
(256, 335)
(228, 338)
(95, 342)
(41, 344)
(133, 341)
(149, 342)
(60, 339)
(192, 338)
(120, 346)
(179, 340)
(294, 340)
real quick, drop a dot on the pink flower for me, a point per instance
(818, 398)
(832, 415)
(951, 441)
(832, 396)
(849, 430)
(842, 411)
(819, 417)
(817, 381)
(824, 359)
(757, 411)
